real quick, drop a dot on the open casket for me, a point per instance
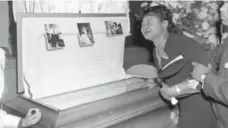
(70, 66)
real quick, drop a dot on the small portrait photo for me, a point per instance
(85, 34)
(113, 28)
(54, 37)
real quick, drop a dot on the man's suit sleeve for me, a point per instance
(216, 56)
(216, 87)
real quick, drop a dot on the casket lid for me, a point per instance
(53, 57)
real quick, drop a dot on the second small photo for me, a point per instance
(85, 34)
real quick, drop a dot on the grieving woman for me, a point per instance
(157, 26)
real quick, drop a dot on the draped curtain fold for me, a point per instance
(73, 6)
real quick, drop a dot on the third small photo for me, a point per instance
(113, 28)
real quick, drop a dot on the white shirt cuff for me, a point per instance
(8, 121)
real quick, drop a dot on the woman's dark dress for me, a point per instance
(195, 110)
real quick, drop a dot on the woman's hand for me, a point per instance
(33, 116)
(168, 92)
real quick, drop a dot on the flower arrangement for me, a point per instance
(196, 19)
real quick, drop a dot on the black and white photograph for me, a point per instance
(113, 28)
(85, 34)
(54, 37)
(114, 64)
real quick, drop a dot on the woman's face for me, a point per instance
(224, 13)
(152, 27)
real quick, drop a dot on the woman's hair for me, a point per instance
(164, 14)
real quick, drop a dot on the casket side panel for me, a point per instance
(118, 115)
(22, 105)
(119, 108)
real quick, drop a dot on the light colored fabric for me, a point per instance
(8, 121)
(2, 67)
(143, 70)
(73, 6)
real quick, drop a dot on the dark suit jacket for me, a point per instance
(216, 84)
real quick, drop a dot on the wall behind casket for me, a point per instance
(4, 23)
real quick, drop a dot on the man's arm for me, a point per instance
(216, 87)
(216, 56)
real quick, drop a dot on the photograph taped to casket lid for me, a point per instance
(59, 73)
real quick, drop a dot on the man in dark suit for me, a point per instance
(215, 76)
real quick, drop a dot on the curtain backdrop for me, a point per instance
(73, 6)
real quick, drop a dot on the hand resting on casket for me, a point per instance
(171, 91)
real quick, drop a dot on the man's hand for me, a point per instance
(199, 70)
(33, 116)
(168, 92)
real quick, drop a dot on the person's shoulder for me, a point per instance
(182, 37)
